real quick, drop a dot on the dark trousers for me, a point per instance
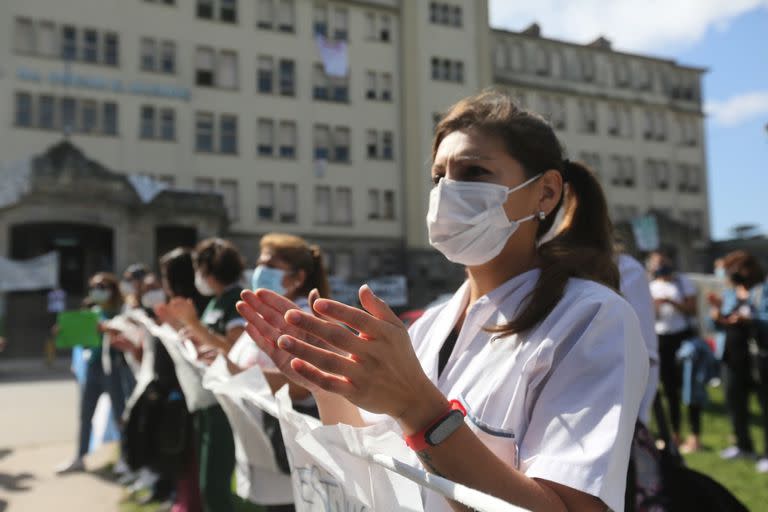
(216, 456)
(671, 373)
(737, 377)
(118, 384)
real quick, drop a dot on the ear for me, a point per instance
(551, 187)
(300, 278)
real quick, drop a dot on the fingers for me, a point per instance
(274, 300)
(377, 307)
(320, 358)
(329, 332)
(262, 342)
(355, 318)
(325, 381)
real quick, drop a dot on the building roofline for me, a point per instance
(673, 62)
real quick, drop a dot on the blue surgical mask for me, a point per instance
(268, 278)
(720, 273)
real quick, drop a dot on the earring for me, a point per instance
(542, 215)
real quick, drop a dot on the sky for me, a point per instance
(729, 37)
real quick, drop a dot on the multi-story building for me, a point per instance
(236, 97)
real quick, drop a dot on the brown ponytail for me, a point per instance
(583, 245)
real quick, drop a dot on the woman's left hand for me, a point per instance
(381, 373)
(183, 310)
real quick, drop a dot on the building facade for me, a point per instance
(329, 138)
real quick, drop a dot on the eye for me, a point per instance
(474, 172)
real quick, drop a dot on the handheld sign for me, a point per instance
(77, 328)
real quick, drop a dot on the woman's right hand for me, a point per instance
(264, 311)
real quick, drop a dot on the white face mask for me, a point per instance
(153, 298)
(201, 283)
(100, 295)
(127, 288)
(467, 221)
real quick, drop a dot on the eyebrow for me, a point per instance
(464, 158)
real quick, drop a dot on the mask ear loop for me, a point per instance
(554, 230)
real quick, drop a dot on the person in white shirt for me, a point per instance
(634, 287)
(537, 350)
(674, 299)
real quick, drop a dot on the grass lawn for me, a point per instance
(739, 477)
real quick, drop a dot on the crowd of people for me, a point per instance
(527, 384)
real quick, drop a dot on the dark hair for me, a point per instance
(583, 245)
(113, 284)
(745, 267)
(219, 258)
(178, 270)
(300, 255)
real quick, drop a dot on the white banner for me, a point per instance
(334, 55)
(27, 275)
(259, 480)
(15, 181)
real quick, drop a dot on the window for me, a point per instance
(204, 185)
(662, 176)
(341, 144)
(109, 119)
(287, 77)
(445, 14)
(168, 57)
(68, 108)
(694, 179)
(386, 87)
(588, 67)
(649, 125)
(370, 79)
(288, 139)
(229, 192)
(435, 68)
(370, 26)
(320, 83)
(621, 72)
(661, 126)
(204, 133)
(546, 108)
(458, 72)
(340, 89)
(46, 113)
(265, 14)
(386, 28)
(24, 36)
(542, 61)
(373, 144)
(342, 213)
(147, 126)
(266, 205)
(447, 70)
(321, 21)
(228, 134)
(68, 43)
(323, 205)
(456, 20)
(204, 67)
(286, 16)
(46, 39)
(228, 11)
(264, 77)
(340, 24)
(266, 129)
(501, 56)
(205, 9)
(387, 151)
(556, 64)
(322, 138)
(559, 114)
(630, 176)
(613, 120)
(227, 70)
(288, 202)
(627, 128)
(148, 51)
(90, 46)
(167, 124)
(111, 49)
(588, 116)
(389, 204)
(374, 204)
(23, 109)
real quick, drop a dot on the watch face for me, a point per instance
(445, 428)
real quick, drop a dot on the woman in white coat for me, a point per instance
(537, 350)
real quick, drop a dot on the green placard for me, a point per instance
(78, 328)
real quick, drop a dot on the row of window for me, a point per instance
(621, 172)
(47, 39)
(447, 70)
(66, 113)
(582, 65)
(617, 119)
(441, 13)
(692, 218)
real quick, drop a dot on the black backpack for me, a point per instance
(158, 431)
(659, 481)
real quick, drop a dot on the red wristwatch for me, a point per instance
(439, 430)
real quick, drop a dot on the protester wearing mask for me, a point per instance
(218, 269)
(131, 284)
(537, 349)
(736, 315)
(674, 298)
(104, 293)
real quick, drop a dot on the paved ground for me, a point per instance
(38, 413)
